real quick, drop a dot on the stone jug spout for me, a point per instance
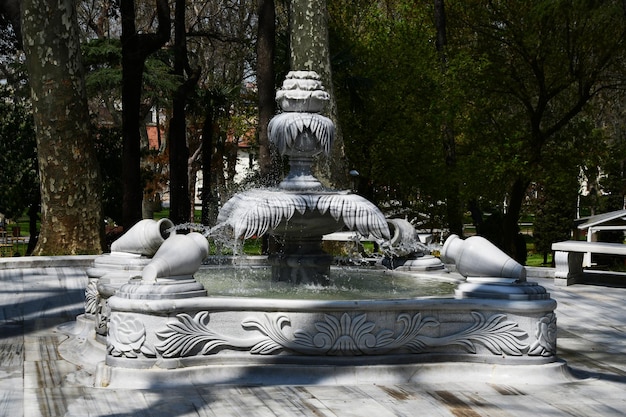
(180, 256)
(144, 238)
(477, 257)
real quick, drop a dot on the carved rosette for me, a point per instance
(127, 336)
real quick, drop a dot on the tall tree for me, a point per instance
(453, 201)
(265, 50)
(180, 200)
(71, 221)
(310, 51)
(136, 47)
(221, 35)
(212, 102)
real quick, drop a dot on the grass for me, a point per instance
(536, 259)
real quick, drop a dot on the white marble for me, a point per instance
(569, 256)
(596, 247)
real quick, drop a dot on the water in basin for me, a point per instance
(345, 284)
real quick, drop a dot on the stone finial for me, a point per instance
(300, 132)
(302, 91)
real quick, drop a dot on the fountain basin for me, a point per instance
(234, 340)
(344, 283)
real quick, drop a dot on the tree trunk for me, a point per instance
(266, 46)
(71, 218)
(310, 52)
(209, 201)
(512, 245)
(454, 208)
(180, 201)
(135, 49)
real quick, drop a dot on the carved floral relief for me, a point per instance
(92, 297)
(545, 333)
(340, 334)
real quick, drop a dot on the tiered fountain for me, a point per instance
(163, 330)
(301, 211)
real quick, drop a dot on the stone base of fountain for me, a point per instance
(235, 340)
(432, 371)
(107, 274)
(82, 349)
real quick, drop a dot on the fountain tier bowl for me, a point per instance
(263, 341)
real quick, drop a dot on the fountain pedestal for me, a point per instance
(301, 262)
(300, 211)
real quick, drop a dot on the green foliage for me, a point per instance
(102, 59)
(159, 81)
(553, 221)
(18, 155)
(513, 86)
(108, 145)
(386, 87)
(103, 62)
(546, 60)
(557, 187)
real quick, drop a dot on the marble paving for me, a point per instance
(36, 381)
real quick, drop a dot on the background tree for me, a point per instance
(19, 192)
(310, 51)
(180, 199)
(604, 164)
(512, 77)
(266, 86)
(136, 47)
(222, 37)
(71, 221)
(454, 206)
(102, 56)
(543, 62)
(18, 161)
(389, 96)
(553, 219)
(556, 188)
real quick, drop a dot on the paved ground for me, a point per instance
(36, 381)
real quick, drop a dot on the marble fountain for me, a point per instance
(149, 323)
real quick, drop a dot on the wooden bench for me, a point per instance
(6, 246)
(6, 249)
(568, 258)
